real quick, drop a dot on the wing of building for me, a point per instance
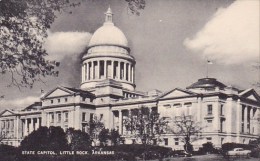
(107, 91)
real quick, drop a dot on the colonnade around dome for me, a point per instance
(99, 69)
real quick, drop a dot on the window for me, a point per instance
(177, 105)
(209, 121)
(66, 127)
(188, 104)
(221, 109)
(101, 117)
(209, 139)
(3, 124)
(209, 109)
(58, 100)
(167, 106)
(91, 116)
(84, 128)
(176, 141)
(83, 98)
(66, 99)
(165, 141)
(11, 124)
(66, 118)
(51, 101)
(83, 116)
(52, 117)
(59, 117)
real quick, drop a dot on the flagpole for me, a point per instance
(208, 62)
(207, 74)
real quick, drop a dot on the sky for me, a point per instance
(171, 41)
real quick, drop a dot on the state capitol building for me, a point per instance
(107, 90)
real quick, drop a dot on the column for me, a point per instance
(257, 115)
(124, 71)
(133, 74)
(129, 72)
(84, 73)
(238, 118)
(87, 76)
(251, 122)
(216, 120)
(87, 71)
(245, 119)
(92, 70)
(105, 69)
(112, 69)
(37, 123)
(31, 125)
(118, 70)
(120, 122)
(98, 69)
(26, 127)
(255, 121)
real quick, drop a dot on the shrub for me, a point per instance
(207, 148)
(7, 153)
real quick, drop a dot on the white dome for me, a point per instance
(108, 34)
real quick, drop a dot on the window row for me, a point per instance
(59, 100)
(91, 117)
(8, 124)
(178, 105)
(59, 116)
(210, 109)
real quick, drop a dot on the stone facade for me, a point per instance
(107, 91)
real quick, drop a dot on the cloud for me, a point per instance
(231, 36)
(18, 103)
(60, 44)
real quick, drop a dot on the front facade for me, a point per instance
(107, 91)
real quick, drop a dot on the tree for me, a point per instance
(78, 140)
(114, 137)
(103, 136)
(135, 6)
(145, 125)
(23, 28)
(95, 126)
(44, 138)
(187, 130)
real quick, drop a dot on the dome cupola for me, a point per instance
(108, 57)
(207, 84)
(108, 34)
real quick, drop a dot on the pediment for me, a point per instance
(6, 113)
(252, 97)
(57, 92)
(177, 93)
(250, 94)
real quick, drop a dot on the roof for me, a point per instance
(69, 90)
(35, 105)
(207, 83)
(77, 90)
(108, 34)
